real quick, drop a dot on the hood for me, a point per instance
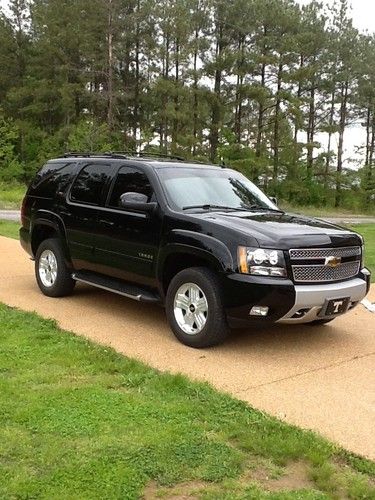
(284, 231)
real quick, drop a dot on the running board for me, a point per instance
(117, 286)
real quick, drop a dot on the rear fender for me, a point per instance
(55, 222)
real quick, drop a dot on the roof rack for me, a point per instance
(76, 153)
(120, 154)
(143, 154)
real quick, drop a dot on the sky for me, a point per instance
(363, 13)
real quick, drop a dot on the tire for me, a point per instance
(318, 322)
(52, 275)
(205, 328)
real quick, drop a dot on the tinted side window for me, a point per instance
(130, 179)
(88, 186)
(52, 178)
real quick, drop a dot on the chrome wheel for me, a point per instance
(47, 268)
(190, 308)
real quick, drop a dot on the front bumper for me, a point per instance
(310, 300)
(287, 302)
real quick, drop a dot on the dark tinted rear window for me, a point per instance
(88, 186)
(51, 179)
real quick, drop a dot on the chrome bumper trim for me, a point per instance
(313, 297)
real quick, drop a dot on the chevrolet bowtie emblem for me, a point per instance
(332, 261)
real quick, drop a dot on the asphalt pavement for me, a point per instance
(13, 215)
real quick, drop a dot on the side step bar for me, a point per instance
(117, 286)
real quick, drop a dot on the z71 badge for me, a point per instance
(147, 256)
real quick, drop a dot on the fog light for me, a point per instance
(259, 311)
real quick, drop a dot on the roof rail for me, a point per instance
(143, 154)
(120, 154)
(76, 154)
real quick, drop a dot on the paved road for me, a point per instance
(350, 220)
(321, 378)
(15, 215)
(10, 215)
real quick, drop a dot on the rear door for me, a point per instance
(128, 240)
(80, 213)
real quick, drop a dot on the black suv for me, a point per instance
(200, 239)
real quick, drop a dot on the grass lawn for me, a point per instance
(79, 421)
(368, 232)
(11, 195)
(9, 229)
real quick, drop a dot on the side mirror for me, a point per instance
(136, 201)
(273, 199)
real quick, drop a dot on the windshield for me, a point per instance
(211, 188)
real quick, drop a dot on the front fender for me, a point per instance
(199, 245)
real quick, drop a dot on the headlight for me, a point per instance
(261, 262)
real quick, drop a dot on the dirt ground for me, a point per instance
(320, 378)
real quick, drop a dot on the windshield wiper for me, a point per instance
(265, 209)
(209, 207)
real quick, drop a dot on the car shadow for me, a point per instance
(281, 339)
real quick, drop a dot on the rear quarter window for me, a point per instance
(51, 179)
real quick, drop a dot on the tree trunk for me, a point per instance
(371, 156)
(299, 95)
(331, 121)
(239, 85)
(195, 91)
(216, 107)
(164, 121)
(340, 150)
(276, 132)
(110, 65)
(137, 75)
(176, 100)
(311, 132)
(259, 139)
(368, 135)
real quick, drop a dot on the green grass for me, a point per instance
(11, 195)
(9, 229)
(368, 232)
(79, 421)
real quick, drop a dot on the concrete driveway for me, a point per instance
(320, 378)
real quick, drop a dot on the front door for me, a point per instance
(128, 240)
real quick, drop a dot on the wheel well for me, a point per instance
(41, 233)
(178, 262)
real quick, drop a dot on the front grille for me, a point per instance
(322, 273)
(321, 253)
(306, 271)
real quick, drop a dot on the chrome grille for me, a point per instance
(322, 253)
(321, 273)
(304, 271)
